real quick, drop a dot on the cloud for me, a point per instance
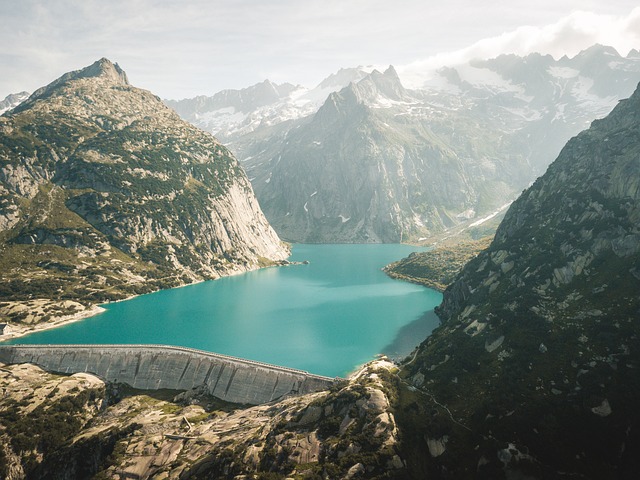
(180, 48)
(570, 35)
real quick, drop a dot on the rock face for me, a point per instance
(355, 172)
(102, 183)
(534, 370)
(380, 163)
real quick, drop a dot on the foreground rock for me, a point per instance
(114, 432)
(106, 193)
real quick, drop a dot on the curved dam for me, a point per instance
(152, 367)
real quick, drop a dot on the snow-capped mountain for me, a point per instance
(12, 100)
(232, 113)
(542, 102)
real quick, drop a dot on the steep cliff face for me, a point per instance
(534, 370)
(362, 171)
(102, 183)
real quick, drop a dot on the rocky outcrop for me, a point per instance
(78, 427)
(437, 268)
(538, 352)
(119, 194)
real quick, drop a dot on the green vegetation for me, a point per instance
(46, 428)
(437, 268)
(533, 371)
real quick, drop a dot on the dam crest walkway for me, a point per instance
(153, 367)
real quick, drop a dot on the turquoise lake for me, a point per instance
(326, 317)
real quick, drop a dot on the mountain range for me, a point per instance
(531, 375)
(376, 162)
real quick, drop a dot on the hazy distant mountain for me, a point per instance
(231, 113)
(378, 162)
(366, 168)
(534, 371)
(12, 100)
(106, 192)
(543, 102)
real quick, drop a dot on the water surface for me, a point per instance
(326, 317)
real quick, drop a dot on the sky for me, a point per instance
(183, 48)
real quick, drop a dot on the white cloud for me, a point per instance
(570, 35)
(180, 48)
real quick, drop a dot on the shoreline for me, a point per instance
(18, 331)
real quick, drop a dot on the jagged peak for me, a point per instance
(102, 68)
(633, 53)
(597, 49)
(387, 84)
(391, 72)
(343, 77)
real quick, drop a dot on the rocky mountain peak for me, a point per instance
(378, 85)
(12, 100)
(598, 49)
(102, 69)
(343, 77)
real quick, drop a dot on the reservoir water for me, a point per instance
(326, 317)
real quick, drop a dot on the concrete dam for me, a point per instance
(152, 367)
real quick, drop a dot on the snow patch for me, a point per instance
(563, 72)
(598, 105)
(344, 219)
(489, 217)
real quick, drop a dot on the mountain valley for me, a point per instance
(107, 193)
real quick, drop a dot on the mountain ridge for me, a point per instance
(539, 341)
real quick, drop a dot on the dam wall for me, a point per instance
(152, 367)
